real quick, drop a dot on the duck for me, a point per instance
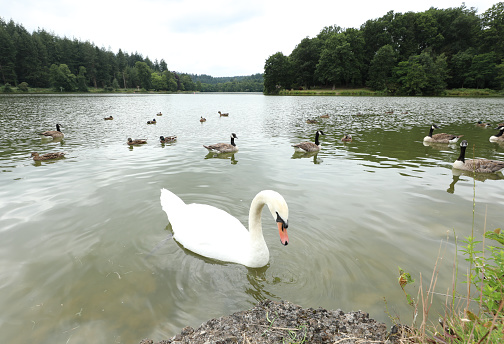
(136, 142)
(108, 118)
(152, 122)
(47, 156)
(223, 114)
(347, 138)
(498, 137)
(159, 114)
(214, 233)
(476, 165)
(167, 139)
(202, 119)
(481, 124)
(309, 146)
(441, 137)
(311, 121)
(54, 133)
(224, 147)
(324, 116)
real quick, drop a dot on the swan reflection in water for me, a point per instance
(477, 176)
(230, 156)
(301, 155)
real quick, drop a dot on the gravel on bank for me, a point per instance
(284, 322)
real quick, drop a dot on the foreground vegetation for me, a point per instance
(474, 316)
(409, 53)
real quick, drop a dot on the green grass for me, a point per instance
(459, 92)
(472, 92)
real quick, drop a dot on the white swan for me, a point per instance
(213, 233)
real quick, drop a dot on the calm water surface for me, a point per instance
(76, 233)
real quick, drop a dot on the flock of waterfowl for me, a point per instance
(472, 165)
(475, 165)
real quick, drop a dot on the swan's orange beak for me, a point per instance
(284, 238)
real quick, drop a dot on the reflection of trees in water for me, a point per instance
(477, 176)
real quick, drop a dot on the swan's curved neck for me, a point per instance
(256, 207)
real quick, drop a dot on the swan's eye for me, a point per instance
(279, 219)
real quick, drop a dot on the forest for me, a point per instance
(421, 53)
(44, 60)
(412, 53)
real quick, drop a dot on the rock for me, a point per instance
(277, 322)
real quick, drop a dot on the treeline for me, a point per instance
(44, 60)
(207, 83)
(408, 53)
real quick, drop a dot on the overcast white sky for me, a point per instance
(214, 37)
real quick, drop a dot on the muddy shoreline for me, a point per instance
(284, 322)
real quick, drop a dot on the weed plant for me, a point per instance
(484, 287)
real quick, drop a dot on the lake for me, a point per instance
(83, 252)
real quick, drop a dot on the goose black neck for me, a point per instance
(500, 133)
(232, 141)
(58, 127)
(431, 131)
(462, 153)
(317, 138)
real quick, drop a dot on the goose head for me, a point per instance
(463, 143)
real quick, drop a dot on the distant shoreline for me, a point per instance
(460, 92)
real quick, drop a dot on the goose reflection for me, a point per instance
(301, 155)
(230, 156)
(439, 146)
(477, 176)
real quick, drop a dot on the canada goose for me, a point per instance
(309, 146)
(166, 139)
(476, 165)
(223, 114)
(224, 147)
(498, 137)
(47, 156)
(152, 122)
(311, 121)
(202, 119)
(324, 116)
(347, 138)
(136, 142)
(159, 113)
(108, 118)
(481, 124)
(441, 137)
(54, 133)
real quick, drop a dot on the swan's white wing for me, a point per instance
(206, 230)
